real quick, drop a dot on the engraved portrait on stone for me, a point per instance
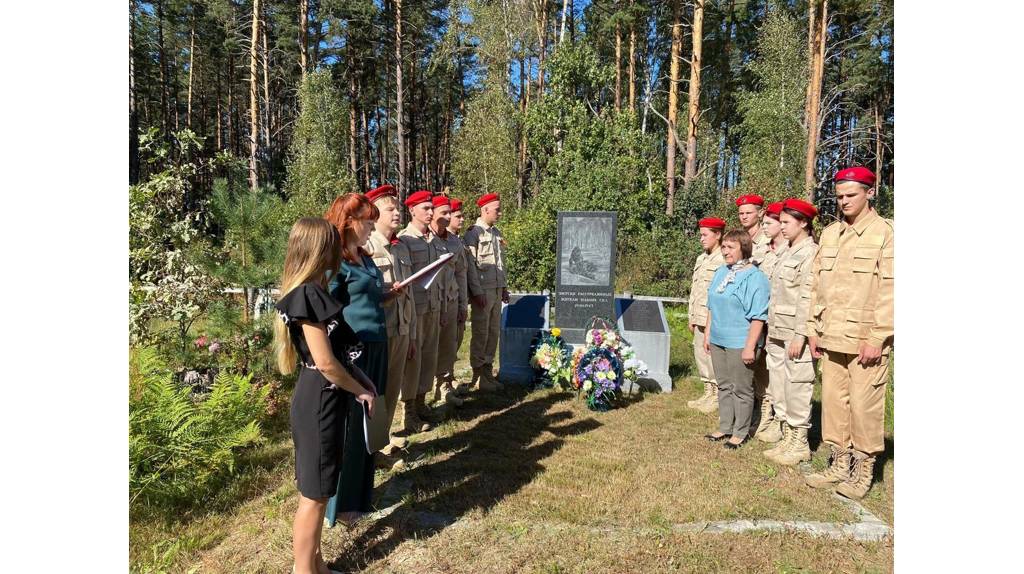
(586, 245)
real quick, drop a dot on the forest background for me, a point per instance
(247, 114)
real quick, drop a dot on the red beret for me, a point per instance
(802, 206)
(487, 198)
(440, 200)
(382, 191)
(711, 223)
(422, 196)
(456, 204)
(751, 199)
(774, 209)
(858, 174)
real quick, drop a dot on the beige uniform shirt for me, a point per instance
(761, 247)
(771, 260)
(791, 291)
(423, 250)
(448, 286)
(456, 246)
(485, 265)
(395, 265)
(852, 288)
(703, 272)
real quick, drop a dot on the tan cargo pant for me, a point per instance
(704, 367)
(419, 372)
(791, 383)
(853, 402)
(486, 329)
(398, 350)
(448, 345)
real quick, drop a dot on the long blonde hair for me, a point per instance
(313, 249)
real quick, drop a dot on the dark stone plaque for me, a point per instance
(525, 312)
(640, 315)
(585, 274)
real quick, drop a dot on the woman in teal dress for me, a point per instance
(358, 286)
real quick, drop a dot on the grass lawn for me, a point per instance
(534, 482)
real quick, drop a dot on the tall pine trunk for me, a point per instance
(542, 35)
(565, 14)
(268, 148)
(690, 171)
(191, 70)
(165, 97)
(366, 150)
(632, 60)
(817, 37)
(673, 103)
(403, 191)
(353, 95)
(618, 63)
(303, 33)
(133, 115)
(254, 101)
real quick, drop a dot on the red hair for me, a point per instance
(346, 211)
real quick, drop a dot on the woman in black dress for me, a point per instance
(313, 331)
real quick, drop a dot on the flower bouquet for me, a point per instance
(550, 359)
(603, 366)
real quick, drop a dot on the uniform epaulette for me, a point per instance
(831, 225)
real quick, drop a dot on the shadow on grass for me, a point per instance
(485, 464)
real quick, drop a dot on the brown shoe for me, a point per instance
(796, 451)
(411, 424)
(859, 482)
(487, 380)
(710, 404)
(838, 470)
(423, 412)
(768, 427)
(697, 401)
(782, 444)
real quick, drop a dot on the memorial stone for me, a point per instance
(521, 318)
(585, 270)
(643, 325)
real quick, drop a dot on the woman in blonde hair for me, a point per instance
(313, 332)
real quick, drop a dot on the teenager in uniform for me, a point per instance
(448, 333)
(423, 249)
(485, 275)
(455, 221)
(711, 230)
(850, 328)
(768, 428)
(790, 364)
(395, 263)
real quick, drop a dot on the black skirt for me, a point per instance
(318, 417)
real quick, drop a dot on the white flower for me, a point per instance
(587, 385)
(600, 374)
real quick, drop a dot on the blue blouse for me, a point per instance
(744, 300)
(361, 290)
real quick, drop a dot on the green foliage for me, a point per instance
(316, 167)
(773, 144)
(167, 219)
(592, 162)
(484, 149)
(250, 253)
(181, 446)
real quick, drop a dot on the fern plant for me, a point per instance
(181, 446)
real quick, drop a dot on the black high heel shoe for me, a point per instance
(735, 446)
(713, 438)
